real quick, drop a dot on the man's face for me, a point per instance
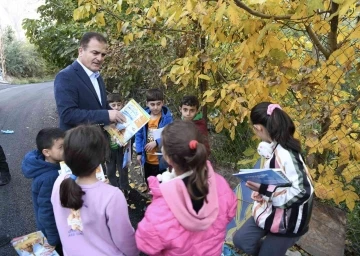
(188, 112)
(116, 105)
(56, 153)
(155, 106)
(93, 55)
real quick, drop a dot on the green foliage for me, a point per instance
(55, 33)
(22, 58)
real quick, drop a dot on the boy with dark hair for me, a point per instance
(146, 145)
(116, 161)
(42, 165)
(189, 109)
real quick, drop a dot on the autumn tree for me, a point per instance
(302, 54)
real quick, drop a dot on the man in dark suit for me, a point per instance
(80, 93)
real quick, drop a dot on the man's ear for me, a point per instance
(180, 108)
(45, 152)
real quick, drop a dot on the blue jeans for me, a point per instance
(249, 239)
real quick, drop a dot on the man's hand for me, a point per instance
(150, 146)
(138, 158)
(116, 116)
(50, 248)
(253, 186)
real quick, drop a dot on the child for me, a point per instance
(91, 216)
(280, 214)
(117, 154)
(42, 165)
(146, 145)
(189, 213)
(189, 109)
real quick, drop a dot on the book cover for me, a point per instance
(264, 176)
(33, 244)
(66, 170)
(136, 118)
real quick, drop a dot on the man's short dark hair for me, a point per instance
(46, 137)
(154, 95)
(113, 97)
(88, 36)
(191, 101)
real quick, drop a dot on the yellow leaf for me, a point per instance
(210, 99)
(351, 197)
(233, 14)
(355, 34)
(76, 14)
(223, 93)
(163, 41)
(220, 12)
(132, 185)
(219, 126)
(351, 171)
(100, 19)
(205, 77)
(249, 152)
(132, 206)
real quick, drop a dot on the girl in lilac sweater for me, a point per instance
(189, 213)
(91, 216)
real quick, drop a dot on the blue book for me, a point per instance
(264, 176)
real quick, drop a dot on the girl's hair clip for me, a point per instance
(271, 108)
(193, 144)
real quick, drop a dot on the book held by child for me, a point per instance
(136, 118)
(33, 244)
(264, 176)
(66, 170)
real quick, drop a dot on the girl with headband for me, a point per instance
(188, 214)
(91, 216)
(281, 215)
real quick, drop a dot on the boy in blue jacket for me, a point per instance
(42, 165)
(146, 145)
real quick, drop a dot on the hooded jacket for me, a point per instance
(141, 136)
(172, 227)
(44, 175)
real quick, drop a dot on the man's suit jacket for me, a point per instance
(76, 99)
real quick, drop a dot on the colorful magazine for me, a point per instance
(66, 170)
(33, 244)
(136, 118)
(264, 176)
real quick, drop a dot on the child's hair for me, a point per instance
(176, 139)
(279, 125)
(190, 100)
(46, 137)
(154, 95)
(85, 148)
(113, 97)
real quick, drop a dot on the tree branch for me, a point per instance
(317, 42)
(334, 22)
(243, 6)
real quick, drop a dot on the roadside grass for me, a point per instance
(30, 80)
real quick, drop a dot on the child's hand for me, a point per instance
(138, 158)
(50, 248)
(150, 146)
(256, 196)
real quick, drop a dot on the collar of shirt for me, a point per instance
(89, 72)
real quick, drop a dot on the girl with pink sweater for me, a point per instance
(91, 216)
(188, 214)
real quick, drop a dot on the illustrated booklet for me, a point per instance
(266, 176)
(33, 244)
(136, 118)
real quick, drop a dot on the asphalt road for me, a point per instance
(26, 109)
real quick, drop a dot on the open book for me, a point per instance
(264, 176)
(136, 118)
(66, 170)
(32, 244)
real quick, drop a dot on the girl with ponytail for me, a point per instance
(280, 214)
(188, 214)
(91, 216)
